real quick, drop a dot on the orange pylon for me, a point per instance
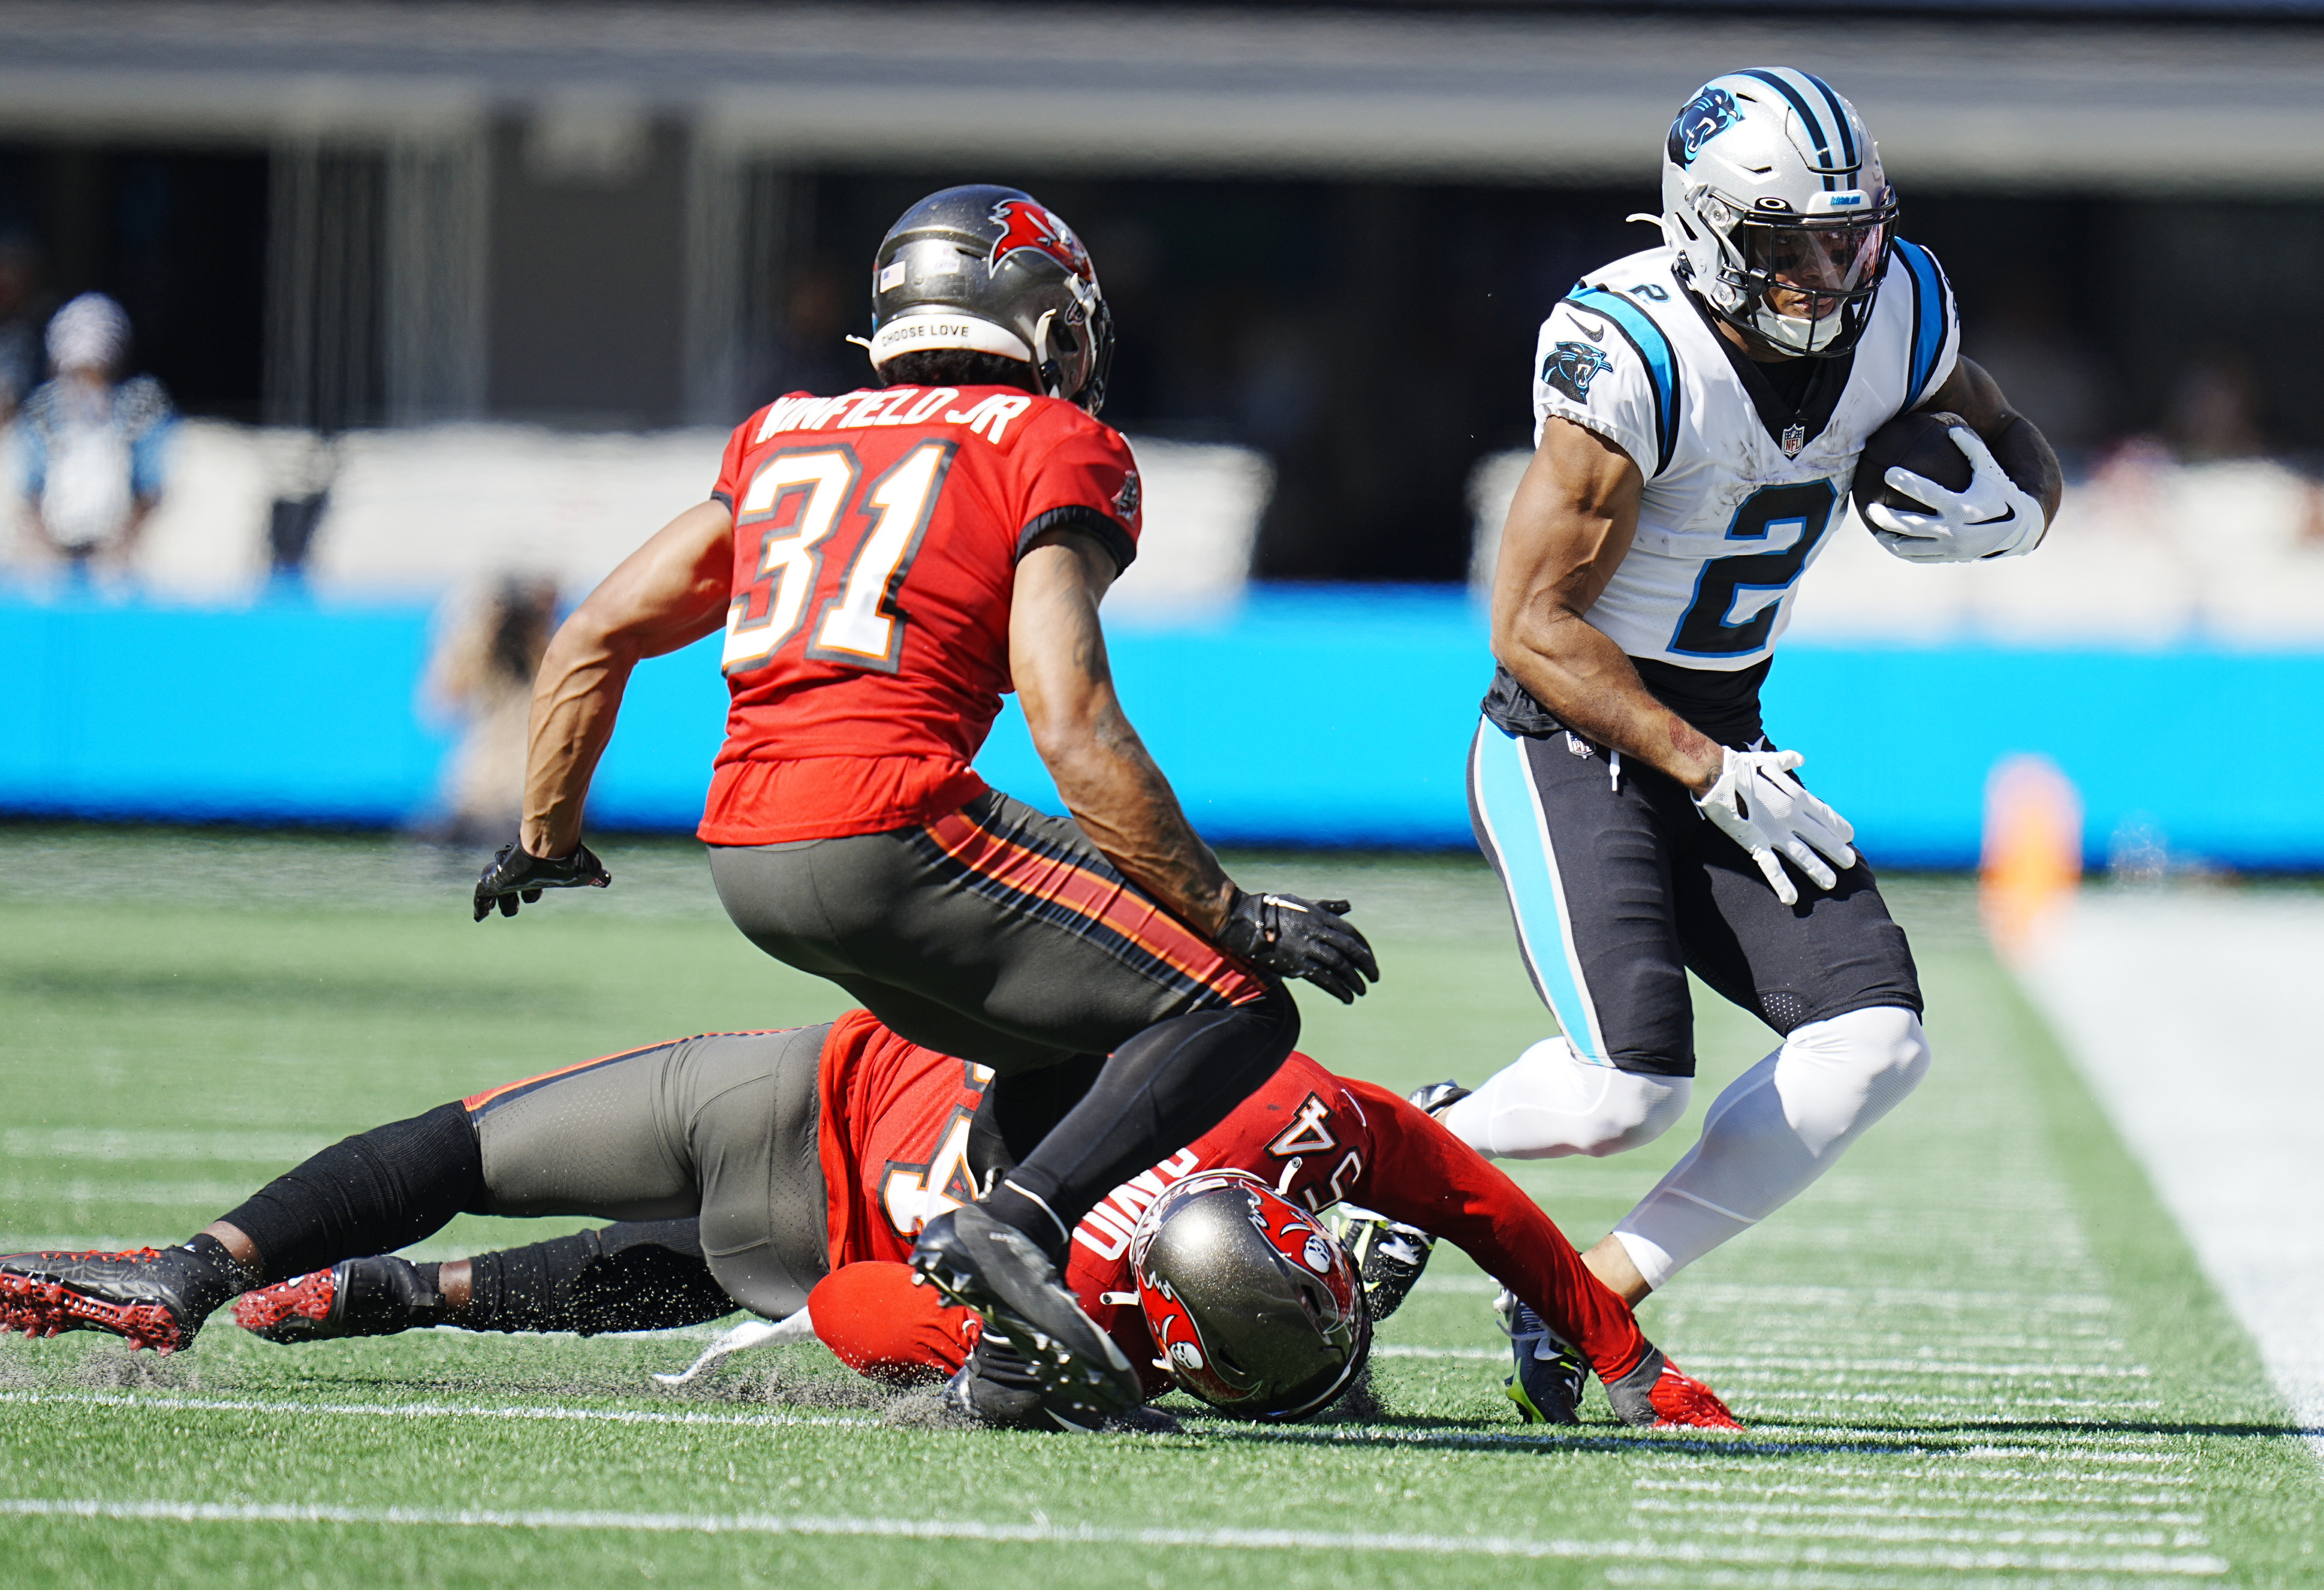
(2032, 861)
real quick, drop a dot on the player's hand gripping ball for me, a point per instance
(516, 875)
(1295, 937)
(1933, 492)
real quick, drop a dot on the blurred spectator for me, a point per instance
(93, 448)
(20, 326)
(2214, 408)
(810, 352)
(303, 466)
(481, 675)
(2027, 347)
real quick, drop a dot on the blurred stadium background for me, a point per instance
(450, 295)
(456, 303)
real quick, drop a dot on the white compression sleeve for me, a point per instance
(1776, 1128)
(1549, 1102)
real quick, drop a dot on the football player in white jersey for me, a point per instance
(1700, 407)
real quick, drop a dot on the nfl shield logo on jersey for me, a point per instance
(1796, 437)
(1572, 366)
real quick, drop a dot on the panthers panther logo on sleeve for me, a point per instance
(1572, 366)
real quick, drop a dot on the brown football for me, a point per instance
(1918, 441)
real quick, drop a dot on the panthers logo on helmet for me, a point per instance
(1700, 120)
(1026, 225)
(1572, 366)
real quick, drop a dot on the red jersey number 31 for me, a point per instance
(803, 498)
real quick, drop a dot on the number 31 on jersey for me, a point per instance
(803, 498)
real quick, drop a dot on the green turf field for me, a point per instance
(1977, 1352)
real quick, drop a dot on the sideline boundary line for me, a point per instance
(1042, 1532)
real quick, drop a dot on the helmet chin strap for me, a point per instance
(1044, 368)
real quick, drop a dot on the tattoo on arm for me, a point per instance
(1102, 770)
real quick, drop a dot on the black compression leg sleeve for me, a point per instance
(1021, 1108)
(635, 1276)
(1157, 1094)
(370, 1193)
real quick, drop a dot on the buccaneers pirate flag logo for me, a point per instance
(1026, 225)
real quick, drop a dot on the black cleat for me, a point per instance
(355, 1297)
(1388, 1256)
(1437, 1097)
(152, 1297)
(1551, 1373)
(997, 1387)
(981, 1264)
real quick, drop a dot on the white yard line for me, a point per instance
(550, 1413)
(90, 1143)
(1913, 1366)
(2193, 1015)
(1043, 1532)
(1891, 1511)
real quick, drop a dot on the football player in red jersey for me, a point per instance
(886, 565)
(790, 1173)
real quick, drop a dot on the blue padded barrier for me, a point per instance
(1331, 715)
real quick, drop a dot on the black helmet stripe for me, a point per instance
(1839, 119)
(1807, 113)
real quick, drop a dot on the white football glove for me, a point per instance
(1760, 806)
(1993, 518)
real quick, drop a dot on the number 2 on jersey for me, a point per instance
(862, 625)
(1710, 628)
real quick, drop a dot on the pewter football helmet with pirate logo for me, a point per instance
(1253, 1307)
(1774, 197)
(993, 270)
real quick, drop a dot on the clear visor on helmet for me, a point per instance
(1810, 270)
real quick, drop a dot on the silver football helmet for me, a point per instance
(1253, 1307)
(993, 270)
(1774, 198)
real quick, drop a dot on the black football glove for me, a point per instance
(1295, 937)
(515, 874)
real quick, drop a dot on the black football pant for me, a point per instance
(1620, 887)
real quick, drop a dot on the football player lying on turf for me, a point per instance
(810, 1159)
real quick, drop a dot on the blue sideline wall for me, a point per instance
(1332, 717)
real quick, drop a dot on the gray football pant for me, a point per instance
(724, 1127)
(994, 934)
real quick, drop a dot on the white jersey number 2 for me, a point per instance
(863, 625)
(1756, 582)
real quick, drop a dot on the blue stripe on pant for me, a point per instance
(1510, 824)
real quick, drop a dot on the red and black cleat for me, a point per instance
(1658, 1395)
(294, 1311)
(375, 1297)
(152, 1297)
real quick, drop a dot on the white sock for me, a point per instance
(1550, 1102)
(1773, 1132)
